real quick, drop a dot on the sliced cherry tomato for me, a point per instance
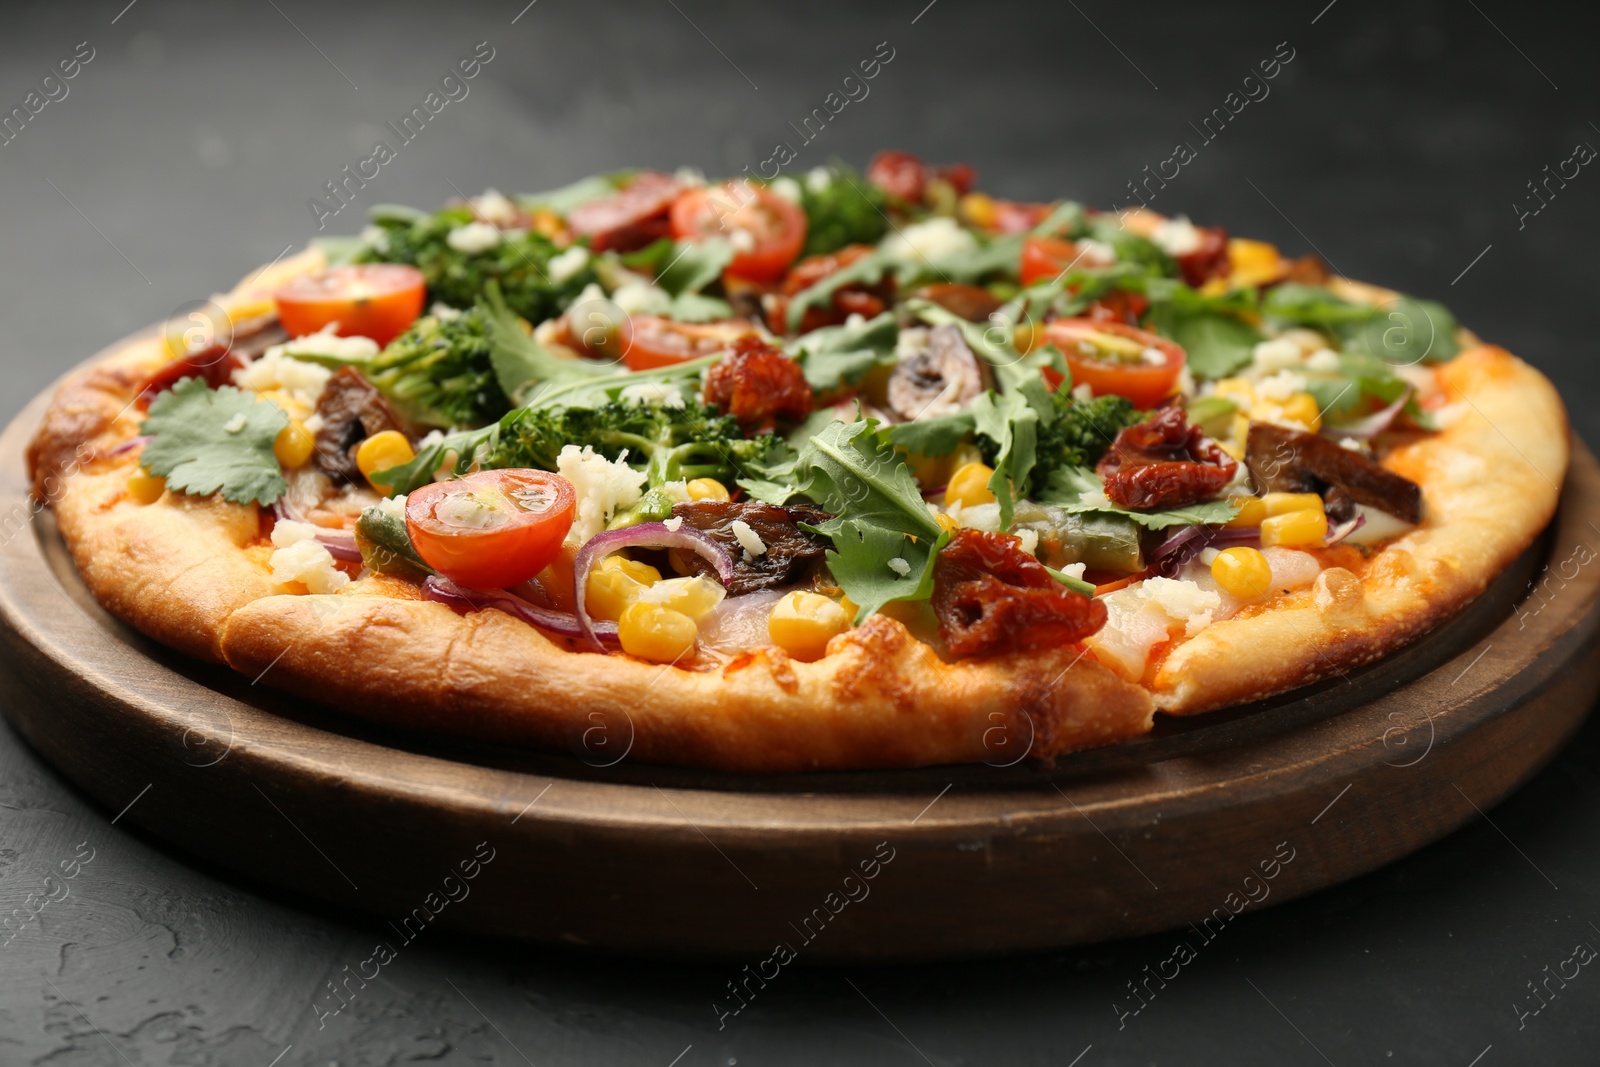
(376, 300)
(630, 218)
(492, 529)
(766, 230)
(866, 301)
(900, 174)
(1044, 258)
(649, 341)
(1118, 305)
(1113, 357)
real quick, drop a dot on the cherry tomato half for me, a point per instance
(492, 529)
(1112, 357)
(766, 230)
(650, 341)
(1044, 258)
(376, 300)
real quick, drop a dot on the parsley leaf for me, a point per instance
(204, 440)
(1079, 489)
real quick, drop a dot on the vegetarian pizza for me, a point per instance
(834, 471)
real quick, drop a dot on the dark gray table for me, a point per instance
(1398, 142)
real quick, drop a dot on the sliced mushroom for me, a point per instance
(1284, 460)
(352, 410)
(943, 377)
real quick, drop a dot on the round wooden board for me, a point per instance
(1200, 819)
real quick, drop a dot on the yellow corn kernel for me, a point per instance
(849, 607)
(1239, 434)
(1251, 511)
(1295, 528)
(382, 451)
(694, 596)
(1239, 390)
(969, 486)
(1025, 337)
(293, 445)
(145, 487)
(978, 210)
(614, 584)
(1304, 409)
(801, 624)
(946, 523)
(1283, 503)
(655, 633)
(708, 489)
(1214, 286)
(1242, 572)
(1253, 262)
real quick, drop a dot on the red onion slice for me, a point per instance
(1172, 562)
(341, 544)
(644, 535)
(444, 591)
(129, 445)
(1374, 424)
(1345, 529)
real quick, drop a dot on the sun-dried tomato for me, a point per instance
(1118, 306)
(630, 218)
(1209, 260)
(990, 596)
(868, 301)
(758, 385)
(900, 174)
(790, 550)
(1164, 463)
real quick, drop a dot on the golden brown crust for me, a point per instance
(194, 575)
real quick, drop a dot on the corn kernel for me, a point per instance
(1239, 390)
(1283, 503)
(1253, 262)
(655, 633)
(694, 596)
(1251, 511)
(1024, 337)
(614, 584)
(1304, 409)
(969, 486)
(382, 451)
(145, 487)
(1295, 528)
(801, 624)
(293, 445)
(978, 210)
(1214, 286)
(708, 489)
(946, 523)
(1242, 572)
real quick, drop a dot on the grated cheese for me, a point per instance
(300, 557)
(900, 566)
(473, 238)
(748, 538)
(602, 486)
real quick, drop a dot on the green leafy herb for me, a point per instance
(386, 545)
(206, 440)
(440, 372)
(1078, 489)
(852, 470)
(563, 200)
(682, 266)
(866, 271)
(1401, 332)
(1217, 344)
(834, 357)
(938, 435)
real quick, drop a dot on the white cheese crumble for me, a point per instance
(473, 238)
(235, 424)
(375, 237)
(818, 179)
(444, 312)
(1323, 361)
(642, 298)
(1083, 391)
(985, 517)
(1095, 252)
(564, 266)
(1269, 357)
(302, 381)
(900, 566)
(1176, 237)
(1281, 386)
(787, 188)
(690, 176)
(312, 423)
(748, 539)
(659, 394)
(1028, 540)
(1142, 615)
(494, 206)
(1074, 570)
(1184, 601)
(742, 240)
(300, 557)
(327, 343)
(602, 486)
(929, 240)
(393, 506)
(1353, 444)
(674, 524)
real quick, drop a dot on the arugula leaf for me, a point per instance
(682, 266)
(564, 199)
(1012, 422)
(1066, 217)
(851, 470)
(1001, 255)
(696, 307)
(1401, 332)
(519, 361)
(1079, 489)
(204, 440)
(938, 435)
(834, 357)
(1217, 344)
(868, 270)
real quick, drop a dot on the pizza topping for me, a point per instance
(351, 410)
(1164, 463)
(990, 596)
(493, 529)
(1118, 359)
(376, 300)
(300, 557)
(941, 378)
(1290, 461)
(191, 447)
(630, 218)
(766, 230)
(758, 385)
(462, 600)
(786, 553)
(803, 623)
(651, 626)
(867, 299)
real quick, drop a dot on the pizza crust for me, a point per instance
(193, 574)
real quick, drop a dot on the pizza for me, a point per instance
(834, 471)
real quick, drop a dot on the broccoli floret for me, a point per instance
(847, 210)
(1082, 430)
(668, 443)
(439, 372)
(520, 263)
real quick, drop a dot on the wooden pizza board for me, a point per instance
(1203, 818)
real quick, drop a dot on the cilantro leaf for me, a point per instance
(1079, 489)
(204, 440)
